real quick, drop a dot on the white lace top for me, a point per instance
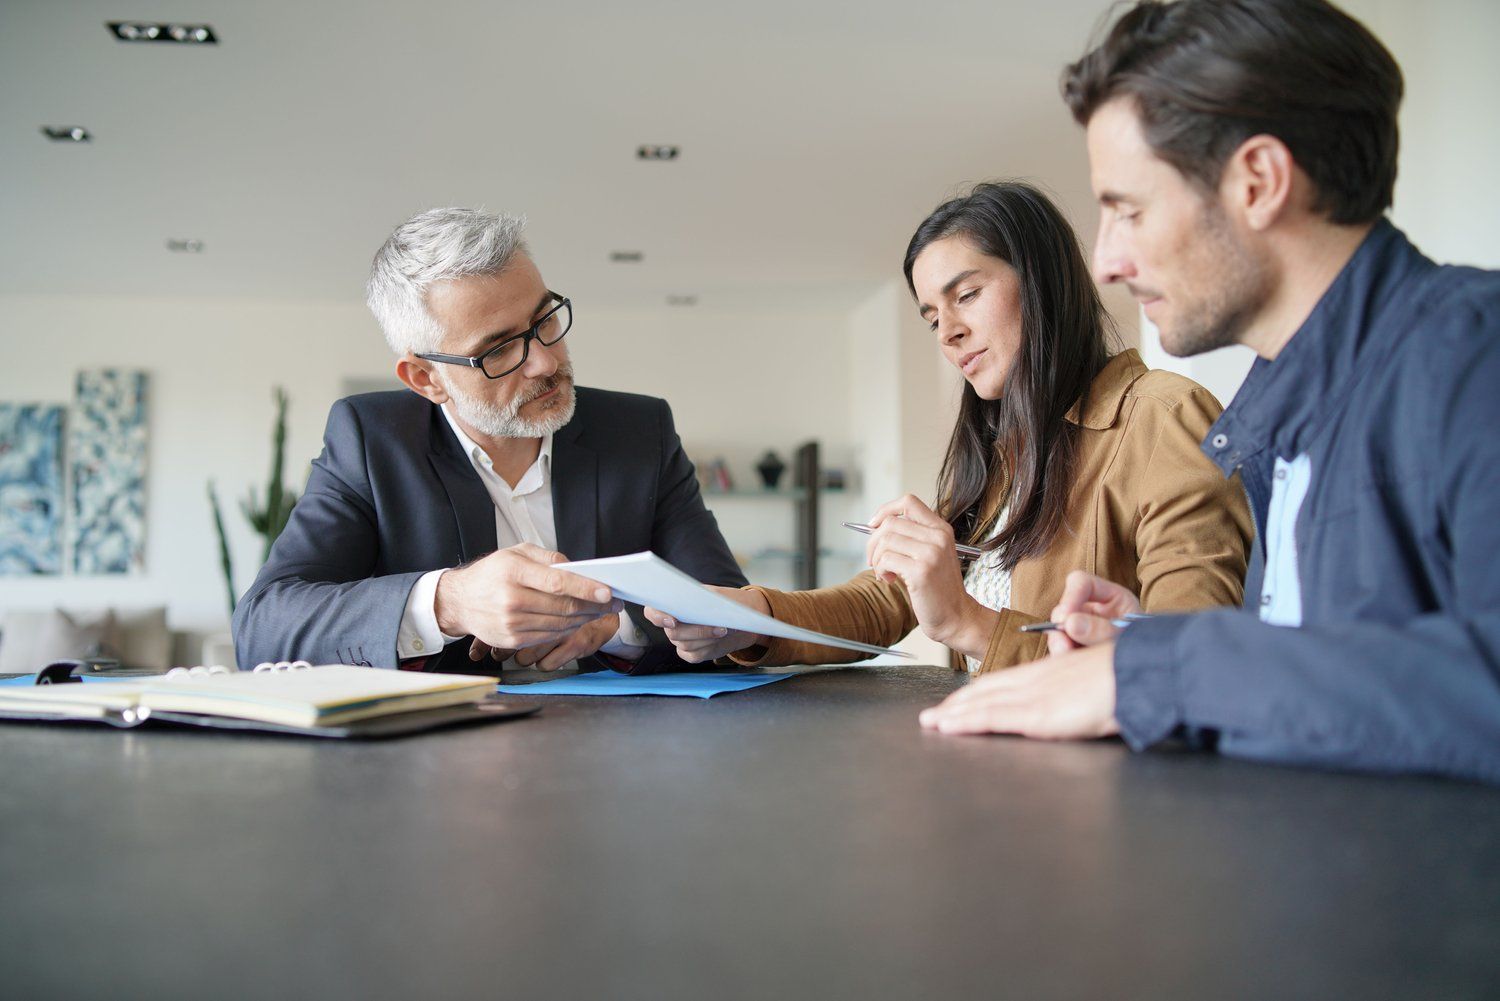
(987, 582)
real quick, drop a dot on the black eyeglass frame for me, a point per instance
(525, 337)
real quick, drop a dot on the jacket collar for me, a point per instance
(575, 485)
(575, 497)
(473, 510)
(1107, 392)
(1284, 404)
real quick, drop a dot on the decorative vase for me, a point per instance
(770, 469)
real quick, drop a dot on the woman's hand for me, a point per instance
(700, 644)
(912, 543)
(1085, 611)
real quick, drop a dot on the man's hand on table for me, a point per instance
(1065, 697)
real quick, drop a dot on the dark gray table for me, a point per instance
(804, 840)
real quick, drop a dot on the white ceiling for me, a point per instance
(814, 137)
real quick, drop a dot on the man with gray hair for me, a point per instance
(427, 535)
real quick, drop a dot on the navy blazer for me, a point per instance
(393, 496)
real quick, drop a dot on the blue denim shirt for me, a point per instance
(1391, 390)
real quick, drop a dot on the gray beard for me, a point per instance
(507, 422)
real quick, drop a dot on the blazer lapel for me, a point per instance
(473, 511)
(575, 494)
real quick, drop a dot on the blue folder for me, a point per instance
(697, 685)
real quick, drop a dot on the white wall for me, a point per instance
(1446, 197)
(903, 401)
(743, 380)
(903, 397)
(212, 365)
(874, 345)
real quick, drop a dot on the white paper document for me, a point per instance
(647, 579)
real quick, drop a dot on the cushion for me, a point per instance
(142, 640)
(32, 640)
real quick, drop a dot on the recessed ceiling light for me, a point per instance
(682, 300)
(185, 246)
(138, 31)
(657, 152)
(67, 133)
(626, 256)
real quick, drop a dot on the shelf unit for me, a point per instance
(804, 493)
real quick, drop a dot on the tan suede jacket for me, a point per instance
(1149, 511)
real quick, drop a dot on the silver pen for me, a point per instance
(973, 552)
(1051, 627)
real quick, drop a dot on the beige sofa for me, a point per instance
(138, 638)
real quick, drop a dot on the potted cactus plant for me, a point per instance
(267, 514)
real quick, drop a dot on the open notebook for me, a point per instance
(302, 698)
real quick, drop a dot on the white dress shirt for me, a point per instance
(523, 513)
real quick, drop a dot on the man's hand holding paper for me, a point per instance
(647, 579)
(519, 597)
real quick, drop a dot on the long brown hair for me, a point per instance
(1021, 443)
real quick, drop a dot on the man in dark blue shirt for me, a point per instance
(1243, 153)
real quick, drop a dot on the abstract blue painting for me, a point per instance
(107, 457)
(31, 489)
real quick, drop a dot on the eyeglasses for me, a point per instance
(510, 354)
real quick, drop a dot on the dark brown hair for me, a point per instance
(1021, 443)
(1208, 74)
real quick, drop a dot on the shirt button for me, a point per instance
(417, 645)
(1265, 599)
(1221, 441)
(1281, 474)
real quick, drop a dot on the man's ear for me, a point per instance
(1258, 181)
(418, 377)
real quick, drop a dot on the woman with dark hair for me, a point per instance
(1062, 458)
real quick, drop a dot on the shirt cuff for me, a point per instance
(1148, 694)
(629, 641)
(419, 635)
